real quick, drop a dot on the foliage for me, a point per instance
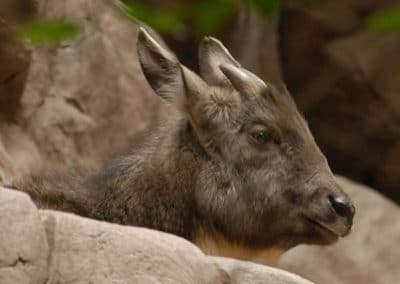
(385, 20)
(46, 31)
(266, 7)
(162, 20)
(205, 15)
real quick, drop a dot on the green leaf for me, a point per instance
(266, 7)
(48, 31)
(209, 16)
(166, 21)
(387, 20)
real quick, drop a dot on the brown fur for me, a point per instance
(213, 243)
(236, 171)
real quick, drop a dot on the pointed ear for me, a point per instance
(212, 53)
(160, 67)
(242, 80)
(168, 78)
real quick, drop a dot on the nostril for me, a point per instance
(342, 206)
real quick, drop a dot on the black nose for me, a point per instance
(342, 206)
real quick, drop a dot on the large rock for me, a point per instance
(247, 272)
(82, 100)
(84, 251)
(370, 254)
(23, 243)
(53, 247)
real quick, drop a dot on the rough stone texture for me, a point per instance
(86, 251)
(80, 250)
(23, 243)
(82, 100)
(247, 272)
(369, 254)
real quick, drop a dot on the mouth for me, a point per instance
(326, 229)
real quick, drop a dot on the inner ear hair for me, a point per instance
(160, 67)
(212, 53)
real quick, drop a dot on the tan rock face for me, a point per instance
(82, 100)
(52, 247)
(23, 242)
(368, 255)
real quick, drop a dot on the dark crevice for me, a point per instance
(19, 260)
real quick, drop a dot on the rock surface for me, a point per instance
(23, 243)
(82, 100)
(369, 254)
(41, 246)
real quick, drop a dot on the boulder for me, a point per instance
(43, 246)
(248, 272)
(23, 243)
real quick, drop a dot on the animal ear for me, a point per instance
(168, 78)
(242, 80)
(212, 53)
(160, 67)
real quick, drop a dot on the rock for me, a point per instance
(43, 246)
(247, 272)
(83, 250)
(23, 243)
(82, 100)
(369, 254)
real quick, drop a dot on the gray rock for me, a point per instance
(80, 101)
(248, 272)
(85, 251)
(80, 250)
(23, 243)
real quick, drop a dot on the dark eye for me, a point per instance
(261, 136)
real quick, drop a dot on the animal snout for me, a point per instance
(335, 210)
(342, 206)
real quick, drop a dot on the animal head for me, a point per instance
(276, 189)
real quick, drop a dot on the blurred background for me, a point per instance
(72, 94)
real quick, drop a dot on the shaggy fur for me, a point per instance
(237, 172)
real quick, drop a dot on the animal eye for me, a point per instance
(261, 136)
